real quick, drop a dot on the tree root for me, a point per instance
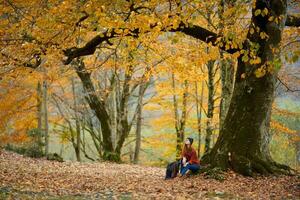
(247, 166)
(257, 165)
(213, 173)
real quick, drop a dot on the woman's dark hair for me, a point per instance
(185, 149)
(191, 140)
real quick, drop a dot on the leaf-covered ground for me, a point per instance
(26, 178)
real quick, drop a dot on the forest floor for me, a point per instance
(27, 178)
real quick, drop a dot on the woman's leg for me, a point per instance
(193, 167)
(183, 170)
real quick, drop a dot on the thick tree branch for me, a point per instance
(87, 49)
(194, 31)
(90, 47)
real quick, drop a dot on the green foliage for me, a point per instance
(54, 157)
(20, 150)
(111, 156)
(34, 151)
(28, 150)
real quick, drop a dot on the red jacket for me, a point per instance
(191, 156)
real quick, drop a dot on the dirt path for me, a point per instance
(42, 179)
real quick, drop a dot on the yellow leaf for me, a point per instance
(257, 12)
(265, 11)
(255, 61)
(271, 18)
(227, 46)
(263, 35)
(260, 72)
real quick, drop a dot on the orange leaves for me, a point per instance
(44, 179)
(13, 138)
(282, 128)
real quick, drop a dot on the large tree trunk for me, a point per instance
(227, 79)
(244, 137)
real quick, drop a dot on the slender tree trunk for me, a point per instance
(298, 154)
(39, 105)
(210, 109)
(123, 124)
(139, 117)
(98, 106)
(61, 150)
(179, 120)
(113, 102)
(45, 109)
(244, 137)
(77, 123)
(176, 116)
(199, 115)
(297, 145)
(184, 110)
(39, 111)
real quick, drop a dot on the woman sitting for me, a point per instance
(190, 162)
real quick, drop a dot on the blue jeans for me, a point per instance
(193, 167)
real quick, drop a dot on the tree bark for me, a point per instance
(180, 121)
(298, 154)
(244, 137)
(176, 117)
(227, 68)
(199, 115)
(45, 110)
(227, 80)
(123, 124)
(77, 123)
(39, 112)
(139, 119)
(98, 106)
(210, 102)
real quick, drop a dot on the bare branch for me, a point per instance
(288, 89)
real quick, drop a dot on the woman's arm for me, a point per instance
(184, 161)
(194, 158)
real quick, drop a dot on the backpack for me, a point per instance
(172, 169)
